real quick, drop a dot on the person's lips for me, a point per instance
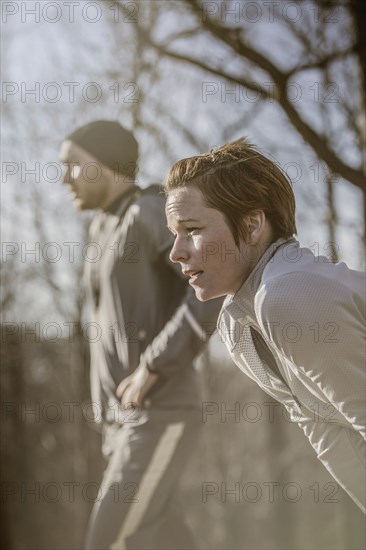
(72, 192)
(193, 274)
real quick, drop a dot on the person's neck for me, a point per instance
(116, 194)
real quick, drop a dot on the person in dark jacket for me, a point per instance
(150, 329)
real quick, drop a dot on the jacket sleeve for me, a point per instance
(328, 349)
(186, 333)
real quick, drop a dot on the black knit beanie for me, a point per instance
(110, 143)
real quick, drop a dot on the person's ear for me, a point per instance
(256, 225)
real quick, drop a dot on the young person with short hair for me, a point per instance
(292, 321)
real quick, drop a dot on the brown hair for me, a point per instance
(238, 180)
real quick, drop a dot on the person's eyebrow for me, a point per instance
(69, 160)
(185, 220)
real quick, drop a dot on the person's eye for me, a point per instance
(193, 229)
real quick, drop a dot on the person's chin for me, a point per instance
(76, 202)
(203, 294)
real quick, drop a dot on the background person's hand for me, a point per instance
(133, 389)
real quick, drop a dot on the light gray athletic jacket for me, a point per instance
(297, 327)
(142, 309)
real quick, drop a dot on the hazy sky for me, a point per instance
(80, 70)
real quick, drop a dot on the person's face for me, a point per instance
(204, 245)
(83, 176)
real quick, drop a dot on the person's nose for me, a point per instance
(67, 176)
(179, 253)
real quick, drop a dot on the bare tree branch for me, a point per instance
(232, 38)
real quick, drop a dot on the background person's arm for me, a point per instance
(187, 331)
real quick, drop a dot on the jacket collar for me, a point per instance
(118, 204)
(242, 303)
